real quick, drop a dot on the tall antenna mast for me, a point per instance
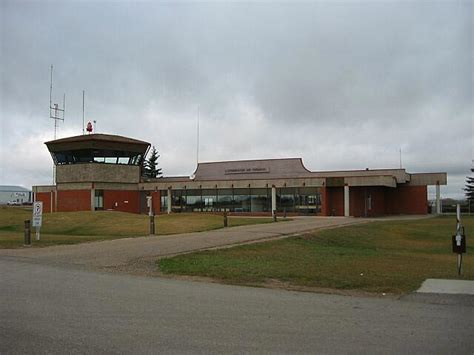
(83, 94)
(197, 140)
(56, 113)
(400, 157)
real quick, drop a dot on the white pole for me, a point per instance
(274, 202)
(346, 201)
(83, 98)
(150, 204)
(197, 138)
(438, 199)
(169, 200)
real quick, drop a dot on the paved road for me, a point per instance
(121, 251)
(51, 309)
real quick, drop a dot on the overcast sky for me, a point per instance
(344, 85)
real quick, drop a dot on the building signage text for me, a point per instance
(247, 171)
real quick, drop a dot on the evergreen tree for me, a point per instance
(151, 165)
(142, 164)
(470, 188)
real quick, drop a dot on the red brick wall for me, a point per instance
(335, 197)
(384, 201)
(406, 200)
(156, 198)
(74, 200)
(127, 201)
(45, 197)
(358, 201)
(324, 202)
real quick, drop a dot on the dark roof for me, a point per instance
(97, 141)
(98, 137)
(280, 169)
(252, 169)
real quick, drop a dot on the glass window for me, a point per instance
(242, 200)
(99, 199)
(308, 200)
(97, 156)
(123, 160)
(178, 200)
(209, 199)
(260, 201)
(286, 199)
(164, 200)
(193, 200)
(60, 158)
(225, 200)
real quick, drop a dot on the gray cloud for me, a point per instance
(344, 85)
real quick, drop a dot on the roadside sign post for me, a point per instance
(37, 217)
(459, 240)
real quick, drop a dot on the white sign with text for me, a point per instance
(37, 214)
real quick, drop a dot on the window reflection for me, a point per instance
(304, 200)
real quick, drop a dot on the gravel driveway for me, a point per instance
(114, 253)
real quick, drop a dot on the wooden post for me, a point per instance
(27, 241)
(152, 224)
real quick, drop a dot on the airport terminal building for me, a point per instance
(104, 172)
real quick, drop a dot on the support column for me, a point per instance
(156, 202)
(324, 201)
(438, 198)
(51, 201)
(169, 200)
(346, 201)
(92, 199)
(274, 199)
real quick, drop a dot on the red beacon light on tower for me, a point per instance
(89, 127)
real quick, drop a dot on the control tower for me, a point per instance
(94, 172)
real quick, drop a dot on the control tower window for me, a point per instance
(97, 156)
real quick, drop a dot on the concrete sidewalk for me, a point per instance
(114, 253)
(453, 287)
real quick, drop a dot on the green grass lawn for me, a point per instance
(386, 256)
(77, 227)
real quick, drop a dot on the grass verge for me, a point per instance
(78, 227)
(380, 257)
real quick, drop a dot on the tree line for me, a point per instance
(469, 189)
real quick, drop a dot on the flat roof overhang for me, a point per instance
(98, 142)
(383, 180)
(182, 183)
(329, 181)
(438, 178)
